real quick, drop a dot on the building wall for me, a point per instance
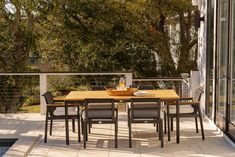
(202, 50)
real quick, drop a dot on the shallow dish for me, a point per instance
(141, 93)
(128, 92)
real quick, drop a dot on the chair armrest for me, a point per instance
(59, 101)
(55, 105)
(62, 105)
(189, 103)
(59, 98)
(186, 98)
(186, 103)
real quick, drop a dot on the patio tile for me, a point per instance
(93, 152)
(61, 153)
(101, 140)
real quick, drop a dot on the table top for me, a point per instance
(82, 95)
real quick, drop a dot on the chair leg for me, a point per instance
(130, 140)
(82, 123)
(158, 127)
(128, 117)
(196, 124)
(116, 132)
(46, 124)
(117, 118)
(90, 125)
(51, 123)
(73, 125)
(168, 124)
(168, 129)
(172, 125)
(129, 128)
(79, 127)
(161, 132)
(200, 117)
(156, 124)
(87, 126)
(165, 122)
(84, 128)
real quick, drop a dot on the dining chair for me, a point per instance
(55, 110)
(145, 110)
(91, 115)
(149, 105)
(188, 107)
(99, 105)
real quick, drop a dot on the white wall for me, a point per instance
(202, 50)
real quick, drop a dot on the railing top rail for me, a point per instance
(62, 73)
(156, 79)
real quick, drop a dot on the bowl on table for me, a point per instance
(128, 92)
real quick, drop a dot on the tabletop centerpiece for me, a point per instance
(121, 89)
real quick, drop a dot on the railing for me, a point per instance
(35, 84)
(13, 94)
(160, 83)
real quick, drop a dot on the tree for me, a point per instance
(18, 41)
(100, 35)
(147, 37)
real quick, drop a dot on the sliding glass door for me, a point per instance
(222, 61)
(231, 128)
(225, 67)
(210, 59)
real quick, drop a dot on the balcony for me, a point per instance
(29, 127)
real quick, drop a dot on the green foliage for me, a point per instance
(14, 90)
(147, 37)
(29, 109)
(100, 36)
(29, 100)
(59, 83)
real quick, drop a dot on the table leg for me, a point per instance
(66, 123)
(177, 123)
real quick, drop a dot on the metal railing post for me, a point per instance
(43, 89)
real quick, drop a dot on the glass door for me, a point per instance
(231, 128)
(210, 59)
(222, 61)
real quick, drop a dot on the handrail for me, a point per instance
(157, 79)
(63, 73)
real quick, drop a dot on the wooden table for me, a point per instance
(80, 96)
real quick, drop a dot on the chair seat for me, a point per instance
(183, 109)
(145, 113)
(60, 111)
(97, 114)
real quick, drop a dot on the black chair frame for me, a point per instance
(196, 114)
(155, 120)
(51, 107)
(87, 122)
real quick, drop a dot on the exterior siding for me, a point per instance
(202, 33)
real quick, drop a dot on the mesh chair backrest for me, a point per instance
(154, 102)
(150, 103)
(48, 97)
(197, 94)
(105, 104)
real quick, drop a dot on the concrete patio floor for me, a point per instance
(101, 139)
